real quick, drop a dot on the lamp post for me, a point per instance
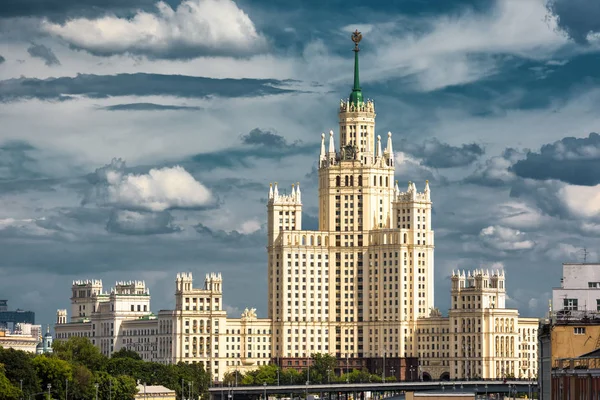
(49, 386)
(66, 389)
(328, 376)
(21, 381)
(412, 370)
(383, 369)
(393, 370)
(265, 386)
(486, 387)
(96, 385)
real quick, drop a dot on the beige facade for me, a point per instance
(26, 343)
(480, 338)
(196, 331)
(357, 285)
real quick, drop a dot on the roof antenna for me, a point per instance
(585, 254)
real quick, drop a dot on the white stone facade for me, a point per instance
(579, 289)
(197, 331)
(480, 338)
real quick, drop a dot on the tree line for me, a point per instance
(78, 368)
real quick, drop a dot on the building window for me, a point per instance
(579, 330)
(594, 284)
(597, 304)
(570, 304)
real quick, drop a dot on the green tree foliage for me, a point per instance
(80, 386)
(19, 367)
(322, 369)
(126, 353)
(7, 390)
(120, 387)
(81, 351)
(53, 371)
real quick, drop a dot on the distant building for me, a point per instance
(9, 318)
(196, 331)
(579, 289)
(480, 338)
(576, 378)
(573, 325)
(155, 392)
(26, 337)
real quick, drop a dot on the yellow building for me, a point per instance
(480, 338)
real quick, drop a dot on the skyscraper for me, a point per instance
(356, 287)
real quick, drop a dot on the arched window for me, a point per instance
(374, 181)
(387, 181)
(405, 236)
(337, 181)
(360, 180)
(351, 180)
(381, 181)
(346, 180)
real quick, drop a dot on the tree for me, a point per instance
(126, 353)
(81, 385)
(19, 367)
(233, 378)
(120, 387)
(53, 371)
(7, 390)
(79, 350)
(322, 368)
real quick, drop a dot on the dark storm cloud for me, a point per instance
(234, 237)
(571, 160)
(141, 223)
(61, 9)
(260, 138)
(2, 59)
(44, 53)
(436, 154)
(140, 84)
(149, 107)
(257, 144)
(577, 18)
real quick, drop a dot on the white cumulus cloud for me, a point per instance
(505, 239)
(158, 190)
(581, 201)
(194, 28)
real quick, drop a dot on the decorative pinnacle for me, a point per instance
(356, 38)
(356, 97)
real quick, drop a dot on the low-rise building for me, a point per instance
(26, 337)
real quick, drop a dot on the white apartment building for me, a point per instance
(579, 288)
(197, 331)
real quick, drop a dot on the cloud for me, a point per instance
(505, 239)
(581, 201)
(141, 223)
(257, 144)
(579, 19)
(139, 84)
(436, 154)
(158, 190)
(17, 162)
(2, 59)
(63, 8)
(149, 107)
(496, 171)
(194, 28)
(44, 53)
(571, 160)
(261, 138)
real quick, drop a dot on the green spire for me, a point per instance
(356, 97)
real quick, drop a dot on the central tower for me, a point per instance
(355, 287)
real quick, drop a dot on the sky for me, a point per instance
(138, 138)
